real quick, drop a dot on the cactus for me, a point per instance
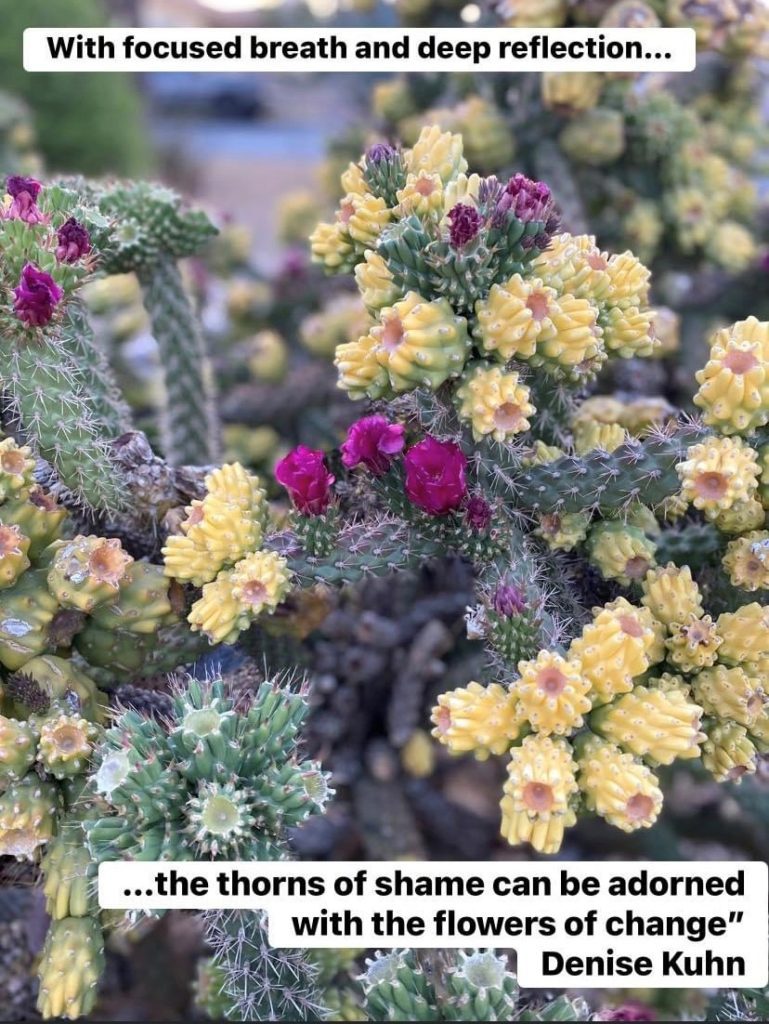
(469, 985)
(153, 231)
(221, 783)
(255, 981)
(59, 411)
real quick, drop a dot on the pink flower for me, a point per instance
(304, 474)
(36, 296)
(435, 476)
(24, 193)
(372, 441)
(74, 242)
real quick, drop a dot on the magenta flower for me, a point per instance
(74, 242)
(304, 474)
(435, 476)
(478, 513)
(24, 193)
(36, 296)
(508, 600)
(464, 224)
(373, 442)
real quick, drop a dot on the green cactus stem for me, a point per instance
(189, 424)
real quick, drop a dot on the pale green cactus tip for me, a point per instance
(223, 782)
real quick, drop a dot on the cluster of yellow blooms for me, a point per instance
(572, 307)
(647, 683)
(219, 549)
(585, 728)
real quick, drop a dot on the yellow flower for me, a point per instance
(734, 384)
(364, 218)
(629, 281)
(671, 595)
(590, 434)
(331, 246)
(184, 560)
(574, 265)
(620, 552)
(614, 648)
(462, 189)
(570, 91)
(437, 152)
(745, 633)
(235, 485)
(692, 215)
(552, 694)
(236, 597)
(534, 13)
(420, 342)
(742, 517)
(260, 581)
(747, 560)
(514, 315)
(216, 613)
(494, 402)
(570, 338)
(562, 532)
(360, 374)
(422, 194)
(375, 282)
(479, 719)
(732, 246)
(617, 787)
(629, 333)
(732, 694)
(536, 805)
(728, 753)
(603, 409)
(650, 723)
(223, 529)
(718, 473)
(353, 182)
(16, 468)
(693, 643)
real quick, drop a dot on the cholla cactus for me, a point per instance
(153, 230)
(218, 782)
(61, 395)
(407, 984)
(248, 980)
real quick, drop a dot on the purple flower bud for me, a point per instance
(464, 224)
(24, 193)
(478, 513)
(435, 476)
(379, 152)
(373, 442)
(36, 296)
(74, 242)
(508, 600)
(304, 475)
(529, 200)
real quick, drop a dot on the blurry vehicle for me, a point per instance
(226, 95)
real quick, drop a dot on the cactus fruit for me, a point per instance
(28, 811)
(70, 967)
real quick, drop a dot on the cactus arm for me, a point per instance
(603, 481)
(95, 373)
(57, 417)
(190, 430)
